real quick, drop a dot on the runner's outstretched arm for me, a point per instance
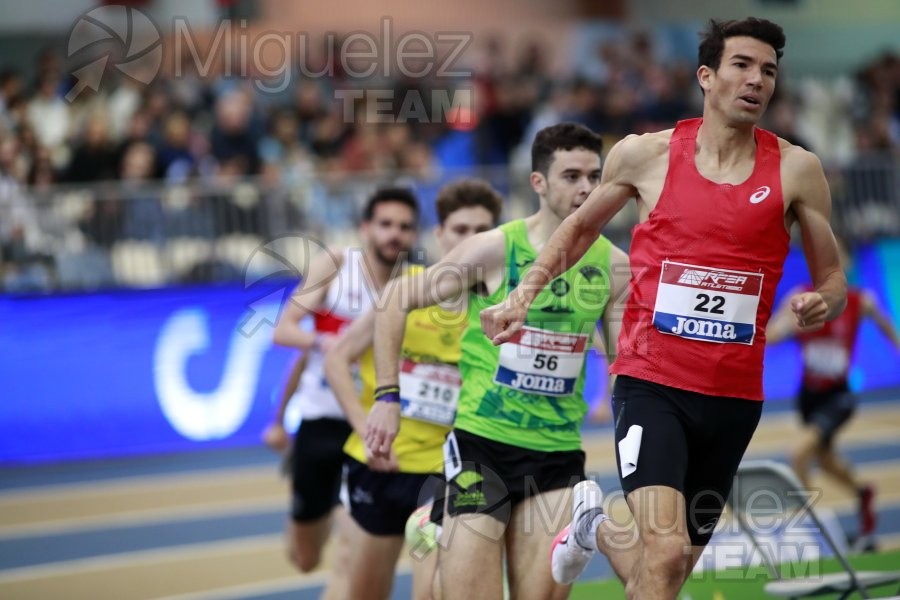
(454, 275)
(569, 242)
(871, 309)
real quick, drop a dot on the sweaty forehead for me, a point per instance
(749, 46)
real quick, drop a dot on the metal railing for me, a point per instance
(120, 234)
(116, 234)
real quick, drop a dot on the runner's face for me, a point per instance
(391, 232)
(462, 224)
(572, 176)
(745, 81)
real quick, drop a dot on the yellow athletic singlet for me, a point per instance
(429, 389)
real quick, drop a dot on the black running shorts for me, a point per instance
(317, 467)
(827, 410)
(689, 441)
(381, 502)
(491, 477)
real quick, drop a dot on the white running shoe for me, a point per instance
(567, 558)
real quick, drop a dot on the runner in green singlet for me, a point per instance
(515, 450)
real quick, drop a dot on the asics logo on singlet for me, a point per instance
(714, 280)
(759, 195)
(703, 328)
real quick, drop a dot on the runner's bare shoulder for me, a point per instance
(636, 150)
(802, 174)
(633, 157)
(798, 158)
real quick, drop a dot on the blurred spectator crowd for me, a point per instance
(215, 158)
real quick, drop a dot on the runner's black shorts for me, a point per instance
(381, 502)
(690, 441)
(317, 468)
(489, 477)
(827, 410)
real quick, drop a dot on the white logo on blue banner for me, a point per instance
(539, 361)
(209, 415)
(707, 304)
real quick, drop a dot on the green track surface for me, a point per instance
(747, 583)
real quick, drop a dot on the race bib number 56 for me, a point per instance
(707, 304)
(538, 361)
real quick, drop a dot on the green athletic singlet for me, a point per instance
(528, 392)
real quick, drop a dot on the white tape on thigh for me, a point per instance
(630, 449)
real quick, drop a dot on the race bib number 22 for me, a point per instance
(707, 304)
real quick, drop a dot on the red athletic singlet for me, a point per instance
(704, 267)
(827, 352)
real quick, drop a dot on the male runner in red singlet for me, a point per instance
(717, 197)
(825, 401)
(339, 286)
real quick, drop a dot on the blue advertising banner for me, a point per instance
(137, 371)
(134, 372)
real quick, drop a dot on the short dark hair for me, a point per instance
(383, 195)
(465, 193)
(563, 136)
(712, 41)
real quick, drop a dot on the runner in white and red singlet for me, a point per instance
(716, 197)
(338, 286)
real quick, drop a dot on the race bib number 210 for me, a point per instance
(429, 391)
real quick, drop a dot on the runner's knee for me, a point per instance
(305, 559)
(665, 554)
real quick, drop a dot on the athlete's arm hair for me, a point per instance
(579, 230)
(871, 309)
(308, 296)
(456, 273)
(812, 209)
(349, 347)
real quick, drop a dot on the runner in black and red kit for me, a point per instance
(825, 401)
(717, 197)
